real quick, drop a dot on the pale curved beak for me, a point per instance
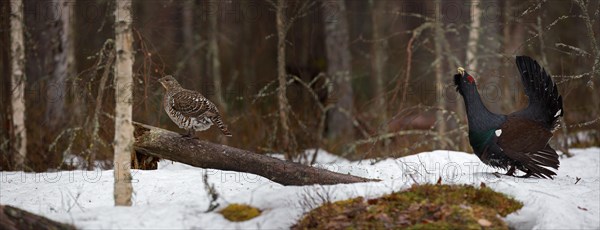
(461, 71)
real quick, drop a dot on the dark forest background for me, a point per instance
(402, 57)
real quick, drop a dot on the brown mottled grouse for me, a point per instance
(189, 109)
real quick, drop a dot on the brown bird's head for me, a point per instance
(169, 82)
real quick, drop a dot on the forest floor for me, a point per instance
(174, 197)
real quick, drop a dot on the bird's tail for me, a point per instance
(545, 102)
(219, 122)
(538, 163)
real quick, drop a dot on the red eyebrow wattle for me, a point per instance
(470, 79)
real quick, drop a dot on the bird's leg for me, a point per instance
(189, 134)
(527, 174)
(511, 171)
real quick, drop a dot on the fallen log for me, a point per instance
(169, 145)
(12, 218)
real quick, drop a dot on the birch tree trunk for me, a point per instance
(123, 142)
(339, 120)
(18, 81)
(474, 31)
(439, 72)
(471, 59)
(281, 77)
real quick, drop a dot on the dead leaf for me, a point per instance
(584, 209)
(337, 225)
(372, 201)
(484, 223)
(403, 219)
(414, 207)
(383, 217)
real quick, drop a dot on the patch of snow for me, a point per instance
(174, 197)
(323, 157)
(74, 161)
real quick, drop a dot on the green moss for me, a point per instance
(420, 207)
(239, 212)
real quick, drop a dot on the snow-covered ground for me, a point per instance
(173, 197)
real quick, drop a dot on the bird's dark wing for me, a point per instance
(545, 102)
(190, 103)
(526, 142)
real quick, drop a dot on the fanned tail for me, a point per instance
(545, 102)
(537, 164)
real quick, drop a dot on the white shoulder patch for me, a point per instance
(558, 113)
(498, 132)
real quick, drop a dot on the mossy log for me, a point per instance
(12, 218)
(157, 142)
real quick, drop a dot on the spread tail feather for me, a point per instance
(538, 163)
(545, 102)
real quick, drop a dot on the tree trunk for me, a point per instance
(339, 120)
(474, 32)
(281, 77)
(189, 39)
(78, 107)
(63, 60)
(248, 61)
(95, 143)
(12, 218)
(513, 37)
(471, 56)
(439, 73)
(123, 142)
(165, 144)
(489, 58)
(213, 50)
(4, 91)
(17, 88)
(379, 47)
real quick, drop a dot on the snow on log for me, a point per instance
(166, 144)
(14, 218)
